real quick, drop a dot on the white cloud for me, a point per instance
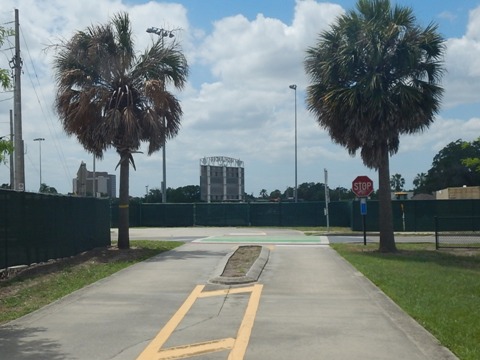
(236, 104)
(462, 60)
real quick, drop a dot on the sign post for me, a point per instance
(362, 186)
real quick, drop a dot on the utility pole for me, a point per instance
(17, 95)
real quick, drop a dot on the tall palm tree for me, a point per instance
(374, 76)
(107, 96)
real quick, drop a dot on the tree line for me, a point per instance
(456, 165)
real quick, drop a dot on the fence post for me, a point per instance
(436, 232)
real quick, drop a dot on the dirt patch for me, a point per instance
(241, 261)
(98, 255)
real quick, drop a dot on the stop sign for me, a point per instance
(362, 186)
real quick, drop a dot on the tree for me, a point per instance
(44, 188)
(419, 183)
(375, 76)
(473, 162)
(263, 193)
(154, 196)
(109, 97)
(6, 148)
(397, 182)
(184, 194)
(275, 195)
(341, 193)
(311, 191)
(449, 168)
(5, 79)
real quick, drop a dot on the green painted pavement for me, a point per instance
(266, 239)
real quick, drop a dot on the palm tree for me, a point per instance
(107, 96)
(375, 76)
(419, 182)
(397, 182)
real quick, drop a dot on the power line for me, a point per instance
(48, 119)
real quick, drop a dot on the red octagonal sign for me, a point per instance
(362, 186)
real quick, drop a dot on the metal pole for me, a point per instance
(294, 87)
(94, 188)
(327, 198)
(364, 223)
(164, 166)
(12, 165)
(163, 33)
(40, 148)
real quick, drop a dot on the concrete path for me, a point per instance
(307, 304)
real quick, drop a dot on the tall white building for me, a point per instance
(222, 179)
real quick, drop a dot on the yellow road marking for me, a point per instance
(238, 346)
(185, 351)
(152, 349)
(243, 335)
(226, 292)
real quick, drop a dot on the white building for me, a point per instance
(222, 179)
(105, 184)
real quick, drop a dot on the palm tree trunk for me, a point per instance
(387, 239)
(123, 211)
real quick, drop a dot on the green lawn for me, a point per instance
(26, 293)
(440, 289)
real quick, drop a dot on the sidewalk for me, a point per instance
(312, 305)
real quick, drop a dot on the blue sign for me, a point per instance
(363, 206)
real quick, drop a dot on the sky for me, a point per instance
(243, 56)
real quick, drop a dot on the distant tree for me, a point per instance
(154, 196)
(397, 182)
(340, 193)
(275, 195)
(249, 197)
(184, 194)
(263, 193)
(449, 169)
(44, 188)
(419, 183)
(289, 193)
(473, 162)
(375, 75)
(311, 191)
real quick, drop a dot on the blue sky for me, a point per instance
(243, 55)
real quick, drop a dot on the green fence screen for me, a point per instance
(408, 215)
(236, 214)
(37, 227)
(414, 215)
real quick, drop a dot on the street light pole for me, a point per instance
(163, 33)
(40, 152)
(294, 87)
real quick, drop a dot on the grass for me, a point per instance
(439, 289)
(41, 285)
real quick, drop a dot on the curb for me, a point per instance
(252, 274)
